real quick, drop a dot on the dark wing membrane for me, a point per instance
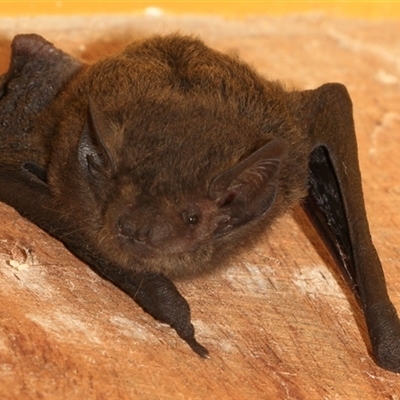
(325, 208)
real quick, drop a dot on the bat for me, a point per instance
(169, 158)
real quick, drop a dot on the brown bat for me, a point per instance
(169, 158)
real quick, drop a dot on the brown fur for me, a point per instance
(178, 115)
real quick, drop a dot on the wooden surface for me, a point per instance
(279, 323)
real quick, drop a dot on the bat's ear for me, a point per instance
(248, 189)
(92, 152)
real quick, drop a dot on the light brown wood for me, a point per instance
(279, 323)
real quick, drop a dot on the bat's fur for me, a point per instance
(175, 114)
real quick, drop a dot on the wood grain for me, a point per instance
(279, 323)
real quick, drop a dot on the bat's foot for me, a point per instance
(384, 330)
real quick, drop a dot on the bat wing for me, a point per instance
(335, 206)
(37, 73)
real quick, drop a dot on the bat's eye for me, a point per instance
(191, 215)
(190, 218)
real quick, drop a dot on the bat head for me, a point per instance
(158, 211)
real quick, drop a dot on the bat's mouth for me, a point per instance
(172, 247)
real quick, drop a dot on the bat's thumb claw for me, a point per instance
(186, 332)
(199, 349)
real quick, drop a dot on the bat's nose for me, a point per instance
(126, 227)
(142, 234)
